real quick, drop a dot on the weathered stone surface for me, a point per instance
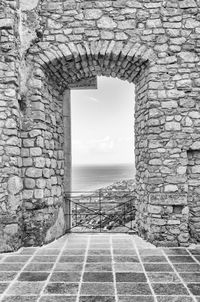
(28, 5)
(167, 199)
(107, 23)
(15, 185)
(50, 46)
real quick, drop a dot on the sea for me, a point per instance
(93, 177)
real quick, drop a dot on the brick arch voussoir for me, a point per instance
(72, 62)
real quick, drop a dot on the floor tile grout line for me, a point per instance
(193, 256)
(83, 269)
(148, 280)
(113, 270)
(183, 282)
(52, 269)
(18, 274)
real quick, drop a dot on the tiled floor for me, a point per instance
(100, 268)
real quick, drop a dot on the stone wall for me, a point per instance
(154, 45)
(10, 142)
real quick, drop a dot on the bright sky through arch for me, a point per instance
(103, 123)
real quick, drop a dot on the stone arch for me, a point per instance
(52, 70)
(71, 62)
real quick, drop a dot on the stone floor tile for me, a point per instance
(45, 258)
(38, 267)
(97, 299)
(194, 251)
(16, 258)
(3, 286)
(97, 277)
(96, 267)
(99, 259)
(99, 246)
(190, 277)
(158, 267)
(129, 252)
(194, 288)
(20, 299)
(163, 277)
(47, 252)
(94, 252)
(25, 288)
(181, 259)
(197, 258)
(28, 250)
(128, 267)
(71, 259)
(153, 259)
(133, 289)
(98, 285)
(175, 251)
(120, 259)
(187, 267)
(97, 289)
(62, 288)
(65, 277)
(174, 299)
(131, 277)
(57, 298)
(5, 267)
(33, 276)
(77, 246)
(167, 289)
(7, 276)
(150, 252)
(69, 267)
(136, 299)
(74, 252)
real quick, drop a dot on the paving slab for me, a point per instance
(100, 268)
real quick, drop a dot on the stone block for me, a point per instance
(172, 126)
(167, 199)
(195, 146)
(33, 172)
(170, 188)
(15, 185)
(6, 23)
(29, 183)
(154, 209)
(92, 14)
(187, 4)
(35, 151)
(106, 23)
(38, 193)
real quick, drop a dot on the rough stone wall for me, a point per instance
(43, 162)
(154, 45)
(193, 172)
(10, 142)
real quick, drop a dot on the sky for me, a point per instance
(103, 123)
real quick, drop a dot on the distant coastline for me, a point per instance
(93, 177)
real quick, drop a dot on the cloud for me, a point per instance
(104, 145)
(94, 100)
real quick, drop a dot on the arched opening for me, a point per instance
(102, 134)
(55, 72)
(103, 161)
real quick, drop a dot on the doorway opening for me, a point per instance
(103, 168)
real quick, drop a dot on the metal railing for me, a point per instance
(100, 211)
